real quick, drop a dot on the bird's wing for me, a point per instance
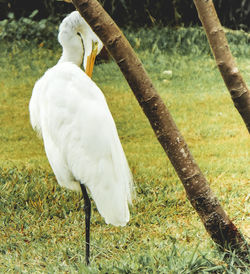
(58, 164)
(34, 108)
(75, 116)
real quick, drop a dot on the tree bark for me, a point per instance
(238, 89)
(215, 220)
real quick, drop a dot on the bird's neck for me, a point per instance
(87, 44)
(73, 55)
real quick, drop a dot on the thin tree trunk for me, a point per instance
(215, 220)
(218, 42)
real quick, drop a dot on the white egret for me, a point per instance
(81, 142)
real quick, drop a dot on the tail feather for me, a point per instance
(113, 190)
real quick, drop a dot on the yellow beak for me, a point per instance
(91, 60)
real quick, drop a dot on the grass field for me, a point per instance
(42, 224)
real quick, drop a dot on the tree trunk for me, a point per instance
(218, 42)
(215, 220)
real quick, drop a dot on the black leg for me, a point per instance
(87, 209)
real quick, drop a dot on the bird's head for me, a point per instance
(92, 47)
(74, 23)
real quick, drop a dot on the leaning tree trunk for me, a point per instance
(215, 220)
(217, 39)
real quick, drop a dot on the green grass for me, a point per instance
(42, 224)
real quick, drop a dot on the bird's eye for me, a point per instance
(78, 33)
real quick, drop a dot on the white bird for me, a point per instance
(81, 142)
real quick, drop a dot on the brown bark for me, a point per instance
(238, 89)
(215, 220)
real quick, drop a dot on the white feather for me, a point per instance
(80, 138)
